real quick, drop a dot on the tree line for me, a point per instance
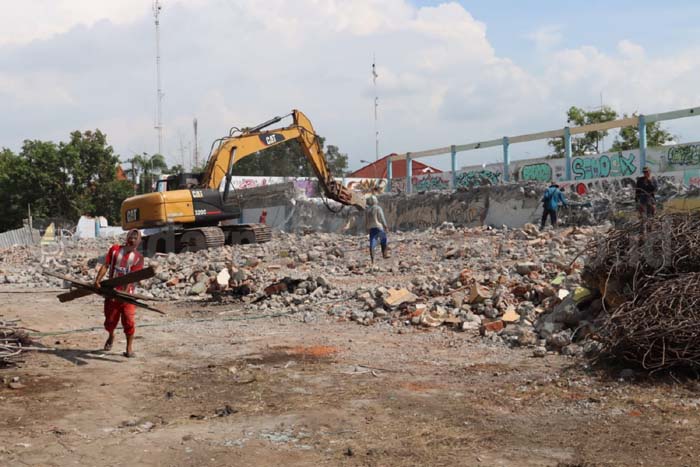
(591, 142)
(65, 180)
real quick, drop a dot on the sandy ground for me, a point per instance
(213, 385)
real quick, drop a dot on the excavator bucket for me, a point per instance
(344, 195)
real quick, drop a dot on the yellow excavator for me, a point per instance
(189, 212)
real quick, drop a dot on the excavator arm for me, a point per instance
(232, 149)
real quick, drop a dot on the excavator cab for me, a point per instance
(181, 181)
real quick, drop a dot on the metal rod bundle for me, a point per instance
(649, 276)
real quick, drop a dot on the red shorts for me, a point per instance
(127, 312)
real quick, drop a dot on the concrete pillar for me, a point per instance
(409, 172)
(567, 151)
(453, 153)
(388, 173)
(506, 160)
(642, 141)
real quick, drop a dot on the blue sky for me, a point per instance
(449, 73)
(656, 25)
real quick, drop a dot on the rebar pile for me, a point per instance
(649, 277)
(13, 340)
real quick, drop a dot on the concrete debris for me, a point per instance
(396, 297)
(513, 286)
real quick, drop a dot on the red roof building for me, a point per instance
(398, 169)
(120, 173)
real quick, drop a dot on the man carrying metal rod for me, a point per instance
(120, 261)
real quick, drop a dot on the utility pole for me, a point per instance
(182, 152)
(376, 105)
(159, 91)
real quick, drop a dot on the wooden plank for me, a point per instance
(690, 112)
(480, 145)
(536, 136)
(135, 276)
(631, 121)
(106, 292)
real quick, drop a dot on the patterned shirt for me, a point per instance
(121, 262)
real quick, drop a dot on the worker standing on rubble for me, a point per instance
(121, 260)
(644, 194)
(375, 222)
(550, 203)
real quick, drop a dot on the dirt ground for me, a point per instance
(213, 385)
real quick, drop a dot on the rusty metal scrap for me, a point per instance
(107, 290)
(649, 276)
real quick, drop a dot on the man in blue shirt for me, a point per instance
(550, 203)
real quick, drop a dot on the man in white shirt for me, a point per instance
(375, 222)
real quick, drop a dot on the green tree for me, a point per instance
(628, 137)
(175, 169)
(61, 180)
(93, 166)
(13, 208)
(145, 169)
(589, 142)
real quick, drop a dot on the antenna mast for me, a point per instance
(159, 92)
(196, 145)
(376, 105)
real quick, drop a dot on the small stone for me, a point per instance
(525, 268)
(510, 316)
(478, 293)
(491, 326)
(539, 352)
(198, 288)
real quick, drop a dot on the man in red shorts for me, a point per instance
(121, 260)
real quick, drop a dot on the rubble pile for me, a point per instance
(604, 200)
(649, 278)
(513, 286)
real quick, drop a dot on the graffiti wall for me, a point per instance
(479, 175)
(680, 162)
(310, 185)
(622, 164)
(372, 186)
(431, 182)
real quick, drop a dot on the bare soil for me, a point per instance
(214, 385)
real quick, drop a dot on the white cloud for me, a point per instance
(547, 37)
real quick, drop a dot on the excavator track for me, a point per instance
(201, 238)
(242, 234)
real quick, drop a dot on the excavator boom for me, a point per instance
(233, 149)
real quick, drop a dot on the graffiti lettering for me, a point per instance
(368, 185)
(309, 187)
(476, 178)
(619, 165)
(244, 183)
(398, 185)
(540, 172)
(430, 183)
(684, 155)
